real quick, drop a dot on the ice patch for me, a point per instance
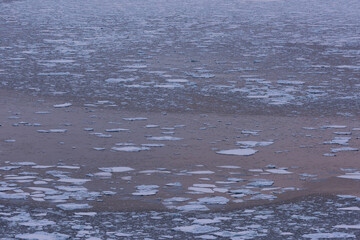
(213, 200)
(238, 152)
(253, 143)
(343, 149)
(73, 206)
(164, 138)
(64, 105)
(130, 149)
(340, 235)
(116, 169)
(42, 236)
(278, 171)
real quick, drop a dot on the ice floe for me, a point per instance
(238, 152)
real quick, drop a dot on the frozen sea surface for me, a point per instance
(310, 218)
(206, 55)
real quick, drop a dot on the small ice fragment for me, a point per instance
(42, 236)
(130, 149)
(135, 119)
(196, 229)
(354, 175)
(73, 206)
(201, 172)
(213, 200)
(349, 209)
(77, 181)
(238, 152)
(164, 138)
(253, 143)
(339, 235)
(116, 169)
(342, 149)
(62, 105)
(278, 171)
(116, 130)
(229, 166)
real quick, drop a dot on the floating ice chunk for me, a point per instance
(120, 80)
(356, 226)
(263, 197)
(76, 181)
(176, 199)
(229, 166)
(116, 169)
(175, 184)
(91, 214)
(339, 140)
(213, 200)
(343, 133)
(153, 145)
(64, 105)
(99, 148)
(73, 206)
(130, 149)
(201, 189)
(42, 236)
(342, 149)
(206, 221)
(125, 144)
(69, 167)
(238, 152)
(286, 82)
(164, 138)
(57, 130)
(204, 185)
(169, 86)
(152, 126)
(253, 143)
(196, 229)
(279, 171)
(8, 168)
(135, 119)
(260, 183)
(71, 188)
(349, 209)
(354, 175)
(117, 130)
(201, 172)
(43, 166)
(13, 195)
(251, 132)
(340, 235)
(23, 163)
(177, 80)
(334, 126)
(146, 190)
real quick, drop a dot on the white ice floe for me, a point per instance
(278, 171)
(356, 226)
(176, 199)
(254, 143)
(201, 172)
(73, 206)
(152, 126)
(229, 166)
(117, 130)
(349, 209)
(354, 175)
(196, 229)
(153, 145)
(192, 207)
(287, 82)
(76, 181)
(343, 149)
(334, 126)
(177, 80)
(339, 140)
(201, 190)
(42, 236)
(164, 138)
(135, 119)
(146, 190)
(62, 105)
(238, 152)
(116, 169)
(260, 183)
(130, 149)
(213, 200)
(120, 80)
(339, 235)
